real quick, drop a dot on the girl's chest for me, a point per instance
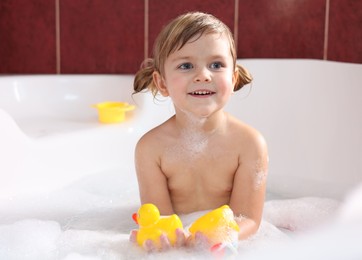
(202, 163)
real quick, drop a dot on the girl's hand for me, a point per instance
(149, 245)
(200, 240)
(218, 250)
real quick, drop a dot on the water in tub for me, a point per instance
(91, 219)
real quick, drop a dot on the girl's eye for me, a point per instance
(216, 65)
(185, 66)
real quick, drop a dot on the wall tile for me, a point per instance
(107, 36)
(27, 37)
(281, 29)
(101, 36)
(345, 31)
(163, 11)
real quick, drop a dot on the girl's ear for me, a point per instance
(160, 83)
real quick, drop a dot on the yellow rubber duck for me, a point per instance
(152, 225)
(219, 226)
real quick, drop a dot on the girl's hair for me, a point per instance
(173, 37)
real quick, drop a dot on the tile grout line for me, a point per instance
(57, 37)
(146, 29)
(326, 29)
(236, 25)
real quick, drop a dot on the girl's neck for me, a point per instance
(206, 125)
(195, 133)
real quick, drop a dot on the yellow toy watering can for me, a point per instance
(112, 112)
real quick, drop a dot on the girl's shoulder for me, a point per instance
(157, 135)
(246, 135)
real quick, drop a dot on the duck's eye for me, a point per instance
(185, 66)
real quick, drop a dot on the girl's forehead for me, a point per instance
(207, 37)
(211, 43)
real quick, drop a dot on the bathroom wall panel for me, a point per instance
(345, 31)
(98, 36)
(27, 37)
(162, 11)
(101, 36)
(281, 29)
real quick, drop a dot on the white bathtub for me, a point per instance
(51, 135)
(309, 112)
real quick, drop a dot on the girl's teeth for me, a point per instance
(201, 92)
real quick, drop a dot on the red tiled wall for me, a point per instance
(101, 36)
(27, 36)
(281, 29)
(345, 31)
(109, 36)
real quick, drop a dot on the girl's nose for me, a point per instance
(203, 75)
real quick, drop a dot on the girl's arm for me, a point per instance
(152, 182)
(247, 198)
(153, 188)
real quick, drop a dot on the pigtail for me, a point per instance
(144, 77)
(243, 77)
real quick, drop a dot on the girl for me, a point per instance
(201, 157)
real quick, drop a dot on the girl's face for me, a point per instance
(200, 76)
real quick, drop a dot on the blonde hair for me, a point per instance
(173, 37)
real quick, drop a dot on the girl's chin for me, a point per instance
(200, 115)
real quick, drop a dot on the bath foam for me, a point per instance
(29, 239)
(300, 214)
(96, 225)
(351, 210)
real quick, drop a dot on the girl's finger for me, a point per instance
(201, 240)
(180, 238)
(165, 242)
(149, 246)
(133, 236)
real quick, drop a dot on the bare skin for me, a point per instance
(202, 157)
(226, 165)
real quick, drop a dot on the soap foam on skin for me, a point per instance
(260, 173)
(193, 139)
(193, 142)
(260, 177)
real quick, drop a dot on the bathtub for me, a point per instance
(51, 134)
(71, 178)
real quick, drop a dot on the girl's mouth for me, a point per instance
(202, 93)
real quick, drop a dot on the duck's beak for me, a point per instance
(135, 217)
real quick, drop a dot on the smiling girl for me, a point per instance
(202, 157)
